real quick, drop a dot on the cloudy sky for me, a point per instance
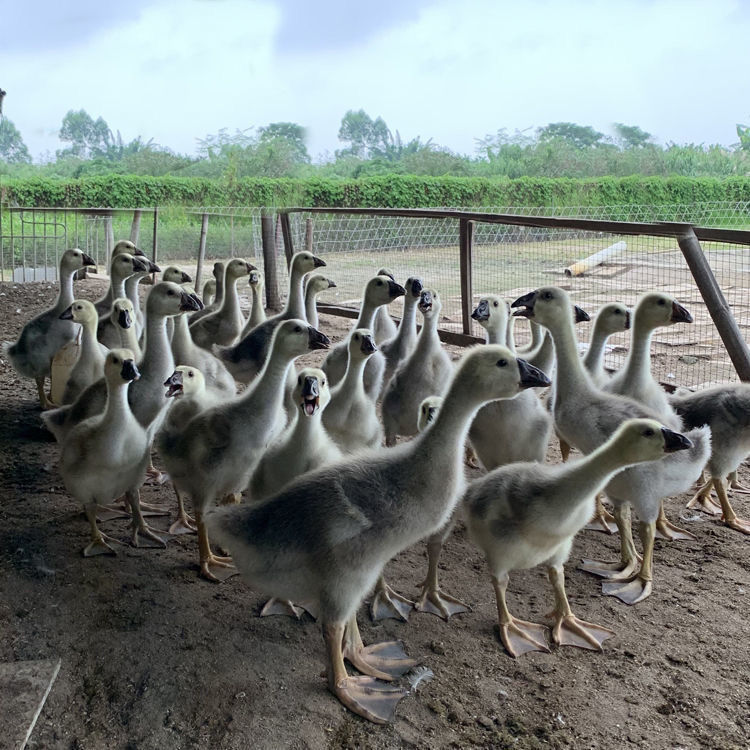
(177, 70)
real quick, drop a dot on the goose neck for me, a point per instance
(231, 302)
(311, 309)
(592, 360)
(117, 411)
(571, 378)
(267, 394)
(157, 353)
(407, 328)
(592, 472)
(65, 295)
(131, 289)
(257, 312)
(638, 362)
(353, 382)
(429, 337)
(495, 334)
(295, 304)
(89, 342)
(366, 314)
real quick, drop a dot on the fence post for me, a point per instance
(135, 227)
(465, 250)
(715, 301)
(308, 235)
(286, 231)
(110, 236)
(267, 225)
(201, 253)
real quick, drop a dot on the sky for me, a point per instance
(177, 70)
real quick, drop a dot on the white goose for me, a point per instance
(104, 304)
(384, 328)
(123, 315)
(257, 311)
(315, 284)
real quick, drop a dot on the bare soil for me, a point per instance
(153, 657)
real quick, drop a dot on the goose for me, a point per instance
(105, 456)
(43, 336)
(218, 273)
(315, 283)
(223, 326)
(131, 289)
(383, 327)
(90, 364)
(398, 348)
(526, 514)
(246, 358)
(350, 419)
(104, 304)
(178, 276)
(380, 290)
(217, 452)
(426, 372)
(585, 417)
(328, 535)
(209, 292)
(304, 446)
(186, 386)
(122, 267)
(726, 410)
(257, 312)
(123, 315)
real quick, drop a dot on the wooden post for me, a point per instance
(135, 227)
(110, 236)
(716, 303)
(465, 250)
(155, 243)
(308, 235)
(273, 300)
(201, 252)
(286, 231)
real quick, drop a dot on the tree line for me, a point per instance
(370, 148)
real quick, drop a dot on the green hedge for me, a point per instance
(393, 191)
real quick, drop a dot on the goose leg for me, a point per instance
(568, 630)
(431, 599)
(386, 660)
(139, 524)
(602, 520)
(639, 586)
(208, 559)
(628, 563)
(518, 636)
(387, 603)
(728, 516)
(564, 450)
(365, 696)
(183, 524)
(736, 485)
(98, 544)
(44, 399)
(667, 530)
(702, 499)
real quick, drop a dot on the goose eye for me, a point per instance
(190, 374)
(297, 329)
(648, 432)
(380, 283)
(618, 312)
(322, 382)
(662, 302)
(502, 362)
(547, 295)
(494, 304)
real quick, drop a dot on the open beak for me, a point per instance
(317, 340)
(531, 377)
(174, 385)
(481, 311)
(432, 413)
(129, 370)
(310, 396)
(425, 301)
(680, 314)
(88, 260)
(123, 319)
(367, 346)
(674, 441)
(67, 314)
(318, 262)
(189, 302)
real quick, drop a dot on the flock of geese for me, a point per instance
(331, 493)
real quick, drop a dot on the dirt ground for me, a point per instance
(153, 657)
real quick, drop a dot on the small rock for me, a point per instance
(485, 722)
(502, 694)
(438, 647)
(688, 359)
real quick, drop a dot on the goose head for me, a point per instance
(429, 304)
(640, 440)
(386, 272)
(382, 290)
(123, 312)
(237, 268)
(305, 262)
(184, 381)
(167, 298)
(491, 313)
(492, 371)
(657, 309)
(428, 410)
(125, 265)
(547, 306)
(126, 246)
(613, 317)
(254, 280)
(218, 271)
(209, 290)
(177, 275)
(119, 367)
(81, 311)
(361, 344)
(74, 259)
(413, 287)
(311, 392)
(317, 283)
(294, 337)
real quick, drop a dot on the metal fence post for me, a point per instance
(201, 253)
(466, 249)
(286, 231)
(267, 225)
(716, 303)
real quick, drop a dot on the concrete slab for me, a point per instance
(24, 687)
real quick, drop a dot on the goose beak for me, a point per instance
(174, 385)
(189, 302)
(185, 278)
(627, 320)
(310, 396)
(481, 311)
(318, 262)
(432, 413)
(425, 301)
(680, 314)
(123, 319)
(138, 251)
(331, 284)
(525, 305)
(317, 340)
(395, 290)
(88, 260)
(674, 441)
(153, 268)
(129, 370)
(416, 287)
(250, 267)
(580, 315)
(531, 377)
(368, 345)
(67, 314)
(140, 265)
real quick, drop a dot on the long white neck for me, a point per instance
(90, 347)
(65, 295)
(219, 298)
(117, 286)
(158, 362)
(264, 400)
(593, 360)
(307, 431)
(352, 384)
(407, 328)
(117, 412)
(131, 289)
(182, 341)
(230, 306)
(311, 307)
(637, 368)
(428, 338)
(366, 313)
(295, 303)
(496, 332)
(257, 313)
(571, 379)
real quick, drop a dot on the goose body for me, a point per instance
(90, 364)
(384, 329)
(131, 290)
(122, 267)
(610, 319)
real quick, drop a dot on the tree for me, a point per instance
(743, 133)
(579, 136)
(12, 148)
(367, 138)
(631, 136)
(289, 133)
(88, 138)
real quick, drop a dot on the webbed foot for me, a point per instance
(614, 571)
(183, 525)
(387, 603)
(386, 660)
(370, 698)
(225, 568)
(519, 637)
(570, 631)
(436, 602)
(665, 529)
(282, 607)
(631, 592)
